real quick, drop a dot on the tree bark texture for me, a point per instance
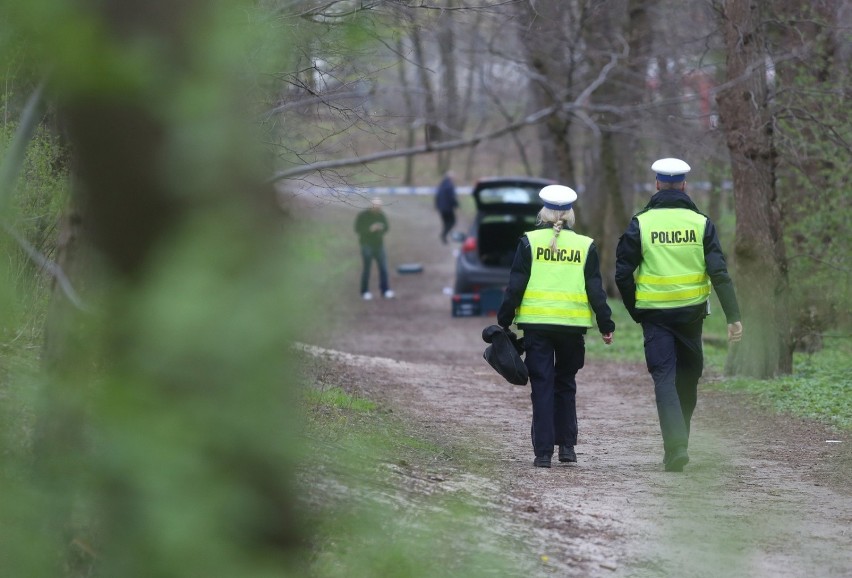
(549, 34)
(610, 174)
(448, 94)
(410, 136)
(745, 112)
(432, 130)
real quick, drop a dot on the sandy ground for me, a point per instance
(762, 496)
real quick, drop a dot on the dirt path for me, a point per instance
(762, 496)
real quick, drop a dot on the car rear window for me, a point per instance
(500, 218)
(509, 195)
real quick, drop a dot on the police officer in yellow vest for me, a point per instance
(554, 289)
(666, 262)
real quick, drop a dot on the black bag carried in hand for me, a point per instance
(504, 354)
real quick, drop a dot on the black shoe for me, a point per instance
(541, 462)
(566, 454)
(678, 459)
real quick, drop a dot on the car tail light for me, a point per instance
(469, 245)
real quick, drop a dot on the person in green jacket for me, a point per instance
(371, 225)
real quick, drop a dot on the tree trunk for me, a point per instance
(411, 137)
(549, 44)
(449, 93)
(744, 109)
(610, 171)
(472, 88)
(140, 206)
(432, 130)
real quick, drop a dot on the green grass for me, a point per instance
(336, 398)
(819, 389)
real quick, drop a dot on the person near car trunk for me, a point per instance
(446, 203)
(554, 291)
(666, 262)
(371, 225)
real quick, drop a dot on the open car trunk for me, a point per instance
(498, 238)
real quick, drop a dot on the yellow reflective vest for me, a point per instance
(673, 272)
(556, 290)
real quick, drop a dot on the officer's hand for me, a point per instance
(607, 338)
(735, 332)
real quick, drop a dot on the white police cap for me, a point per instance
(557, 197)
(670, 170)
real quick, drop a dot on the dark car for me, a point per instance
(506, 208)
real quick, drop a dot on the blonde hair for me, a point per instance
(558, 218)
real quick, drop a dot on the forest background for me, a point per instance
(151, 151)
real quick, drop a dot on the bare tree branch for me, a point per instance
(576, 107)
(528, 120)
(327, 99)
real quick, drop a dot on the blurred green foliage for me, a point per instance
(159, 436)
(31, 213)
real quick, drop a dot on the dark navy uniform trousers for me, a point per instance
(675, 360)
(553, 359)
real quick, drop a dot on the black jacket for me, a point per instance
(445, 196)
(628, 256)
(520, 276)
(504, 354)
